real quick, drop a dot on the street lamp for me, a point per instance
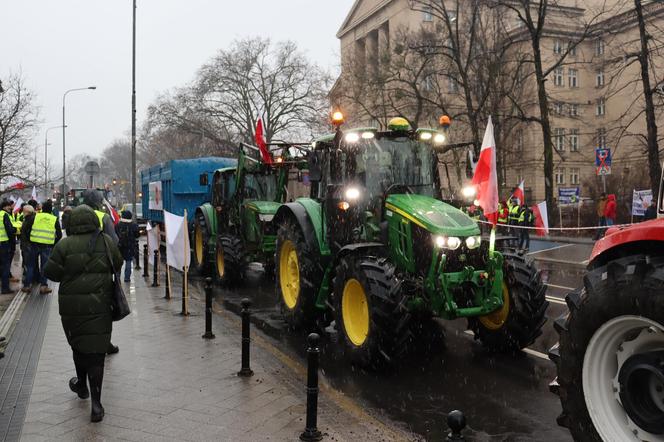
(46, 154)
(64, 126)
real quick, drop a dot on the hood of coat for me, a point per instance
(612, 197)
(82, 220)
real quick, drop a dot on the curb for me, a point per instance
(9, 316)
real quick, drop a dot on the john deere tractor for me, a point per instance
(375, 250)
(236, 227)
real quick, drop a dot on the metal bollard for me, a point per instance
(457, 422)
(311, 432)
(146, 259)
(167, 288)
(137, 261)
(155, 269)
(208, 309)
(245, 371)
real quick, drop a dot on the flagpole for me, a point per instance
(168, 268)
(186, 268)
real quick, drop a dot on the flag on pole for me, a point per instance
(17, 204)
(34, 193)
(541, 218)
(14, 184)
(153, 238)
(177, 241)
(115, 217)
(519, 193)
(485, 179)
(260, 142)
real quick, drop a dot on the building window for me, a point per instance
(557, 47)
(558, 107)
(599, 78)
(574, 140)
(571, 49)
(558, 77)
(559, 139)
(573, 81)
(452, 85)
(573, 110)
(574, 175)
(599, 47)
(426, 14)
(601, 138)
(601, 107)
(560, 176)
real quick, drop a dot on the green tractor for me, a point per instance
(375, 250)
(236, 227)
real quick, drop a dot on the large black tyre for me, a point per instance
(229, 262)
(299, 275)
(371, 317)
(632, 286)
(199, 247)
(519, 322)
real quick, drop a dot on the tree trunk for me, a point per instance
(654, 168)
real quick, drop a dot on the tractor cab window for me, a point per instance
(262, 187)
(224, 184)
(381, 163)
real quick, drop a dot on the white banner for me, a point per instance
(153, 239)
(177, 241)
(641, 199)
(156, 201)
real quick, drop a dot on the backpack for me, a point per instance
(124, 237)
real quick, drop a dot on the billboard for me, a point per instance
(568, 195)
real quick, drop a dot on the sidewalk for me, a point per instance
(167, 383)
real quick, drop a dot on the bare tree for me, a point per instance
(18, 120)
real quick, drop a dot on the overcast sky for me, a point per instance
(66, 44)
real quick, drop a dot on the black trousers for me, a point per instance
(90, 366)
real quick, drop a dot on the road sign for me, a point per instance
(603, 161)
(568, 195)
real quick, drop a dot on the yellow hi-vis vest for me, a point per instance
(100, 215)
(514, 213)
(4, 237)
(43, 229)
(17, 222)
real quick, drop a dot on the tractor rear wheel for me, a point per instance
(371, 316)
(610, 358)
(299, 276)
(229, 260)
(201, 237)
(519, 321)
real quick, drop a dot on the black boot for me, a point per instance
(96, 376)
(112, 349)
(78, 384)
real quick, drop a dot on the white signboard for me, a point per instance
(641, 199)
(156, 201)
(177, 241)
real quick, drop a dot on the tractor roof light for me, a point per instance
(469, 191)
(368, 135)
(352, 193)
(444, 121)
(439, 139)
(352, 137)
(425, 136)
(337, 118)
(398, 124)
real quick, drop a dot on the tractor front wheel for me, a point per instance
(610, 358)
(371, 317)
(229, 260)
(519, 321)
(201, 237)
(299, 276)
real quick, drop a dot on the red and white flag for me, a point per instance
(485, 179)
(112, 212)
(519, 193)
(541, 218)
(260, 142)
(17, 204)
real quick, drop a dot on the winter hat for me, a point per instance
(126, 214)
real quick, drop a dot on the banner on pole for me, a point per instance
(568, 195)
(177, 241)
(641, 199)
(153, 238)
(156, 201)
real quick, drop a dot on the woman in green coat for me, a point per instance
(81, 265)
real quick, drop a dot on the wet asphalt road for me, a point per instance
(504, 397)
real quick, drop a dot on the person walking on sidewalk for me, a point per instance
(127, 232)
(80, 263)
(7, 235)
(27, 257)
(601, 221)
(610, 210)
(94, 199)
(44, 232)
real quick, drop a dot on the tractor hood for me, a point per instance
(433, 215)
(263, 207)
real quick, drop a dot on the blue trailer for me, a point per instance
(177, 185)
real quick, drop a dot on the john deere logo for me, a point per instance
(462, 257)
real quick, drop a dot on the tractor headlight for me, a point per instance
(425, 136)
(473, 242)
(265, 217)
(352, 137)
(440, 242)
(352, 193)
(447, 242)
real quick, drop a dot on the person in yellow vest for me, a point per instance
(7, 236)
(93, 199)
(26, 256)
(17, 226)
(44, 231)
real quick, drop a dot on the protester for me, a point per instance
(27, 257)
(7, 235)
(44, 231)
(651, 211)
(12, 243)
(610, 210)
(66, 212)
(94, 200)
(513, 220)
(526, 220)
(79, 262)
(127, 232)
(601, 220)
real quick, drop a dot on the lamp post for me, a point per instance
(133, 112)
(64, 126)
(46, 155)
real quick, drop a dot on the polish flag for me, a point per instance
(112, 212)
(541, 218)
(260, 142)
(17, 204)
(34, 193)
(485, 179)
(519, 193)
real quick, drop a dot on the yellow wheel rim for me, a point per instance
(289, 274)
(355, 312)
(198, 244)
(221, 264)
(495, 320)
